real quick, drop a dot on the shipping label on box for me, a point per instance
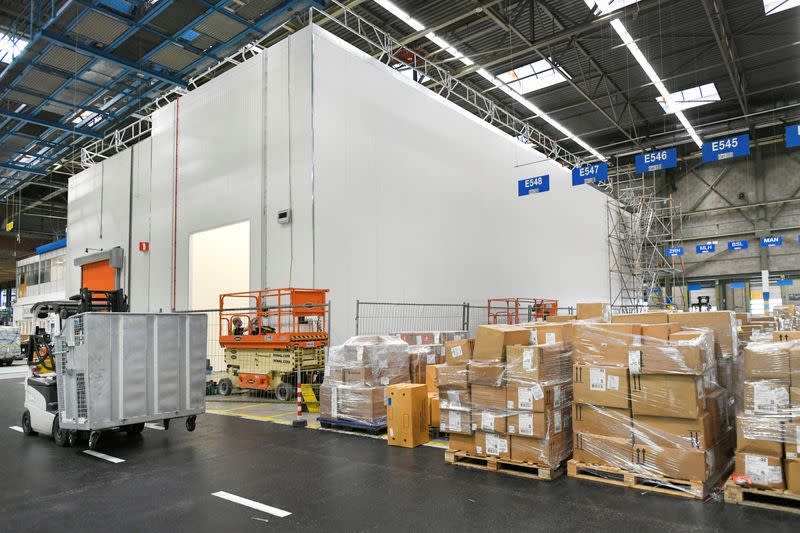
(598, 385)
(766, 397)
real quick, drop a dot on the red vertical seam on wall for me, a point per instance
(175, 210)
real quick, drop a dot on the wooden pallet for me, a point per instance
(504, 466)
(620, 477)
(435, 433)
(777, 500)
(351, 425)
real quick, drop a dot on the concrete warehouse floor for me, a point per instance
(328, 482)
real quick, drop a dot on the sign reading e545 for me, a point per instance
(726, 148)
(593, 173)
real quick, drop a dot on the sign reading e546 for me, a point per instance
(726, 148)
(658, 160)
(590, 173)
(533, 185)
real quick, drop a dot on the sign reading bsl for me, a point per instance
(658, 160)
(533, 185)
(738, 245)
(726, 148)
(590, 173)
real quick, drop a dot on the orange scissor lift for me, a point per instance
(271, 335)
(507, 310)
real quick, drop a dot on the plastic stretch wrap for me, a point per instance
(516, 406)
(647, 400)
(787, 317)
(9, 342)
(768, 425)
(356, 375)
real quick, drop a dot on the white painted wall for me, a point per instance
(400, 196)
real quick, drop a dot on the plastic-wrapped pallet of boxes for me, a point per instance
(426, 348)
(647, 401)
(9, 342)
(356, 375)
(768, 425)
(504, 397)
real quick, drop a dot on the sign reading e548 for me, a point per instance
(590, 173)
(658, 160)
(726, 148)
(533, 185)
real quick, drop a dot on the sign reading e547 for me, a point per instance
(593, 173)
(658, 160)
(533, 185)
(726, 148)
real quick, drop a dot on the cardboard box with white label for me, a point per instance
(601, 385)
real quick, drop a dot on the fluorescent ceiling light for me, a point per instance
(603, 7)
(669, 101)
(509, 90)
(8, 49)
(534, 76)
(776, 6)
(689, 98)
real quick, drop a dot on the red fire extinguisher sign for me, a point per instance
(144, 246)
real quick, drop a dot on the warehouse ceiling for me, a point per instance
(587, 74)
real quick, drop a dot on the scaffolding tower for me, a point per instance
(641, 227)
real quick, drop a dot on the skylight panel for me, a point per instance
(603, 7)
(533, 77)
(9, 50)
(776, 6)
(689, 98)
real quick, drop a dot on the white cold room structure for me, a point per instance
(395, 194)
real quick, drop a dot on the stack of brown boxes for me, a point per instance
(356, 376)
(516, 395)
(646, 401)
(426, 348)
(767, 433)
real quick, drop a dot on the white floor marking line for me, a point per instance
(15, 428)
(154, 426)
(108, 458)
(274, 511)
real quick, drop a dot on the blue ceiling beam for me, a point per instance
(22, 168)
(111, 58)
(49, 124)
(50, 98)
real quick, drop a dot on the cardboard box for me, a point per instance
(681, 463)
(602, 421)
(560, 318)
(670, 395)
(540, 425)
(784, 336)
(655, 317)
(549, 452)
(434, 418)
(455, 421)
(334, 374)
(764, 471)
(328, 400)
(792, 473)
(361, 404)
(791, 437)
(455, 399)
(541, 364)
(760, 435)
(487, 373)
(742, 319)
(458, 352)
(600, 450)
(536, 396)
(488, 420)
(485, 397)
(599, 312)
(432, 378)
(601, 385)
(658, 332)
(492, 445)
(550, 333)
(766, 397)
(359, 375)
(667, 432)
(453, 377)
(794, 398)
(459, 442)
(794, 365)
(407, 415)
(607, 344)
(491, 340)
(748, 332)
(767, 361)
(723, 323)
(680, 355)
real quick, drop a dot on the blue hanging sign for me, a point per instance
(533, 185)
(726, 148)
(769, 242)
(738, 245)
(658, 160)
(708, 248)
(793, 136)
(784, 283)
(677, 251)
(694, 287)
(738, 285)
(590, 173)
